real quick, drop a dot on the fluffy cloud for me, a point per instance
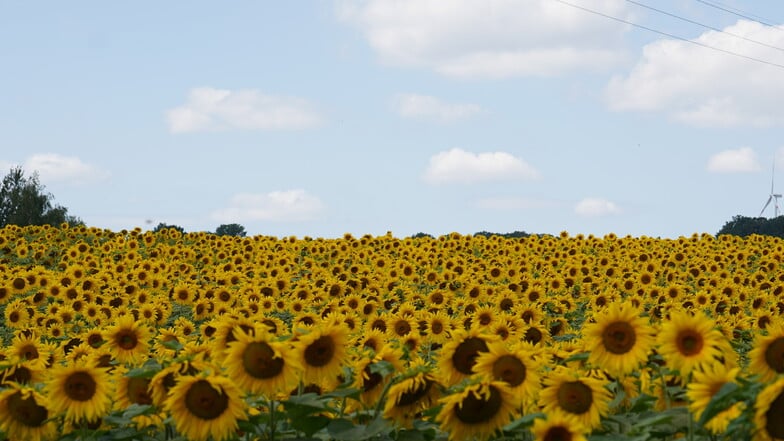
(218, 109)
(288, 205)
(490, 38)
(433, 109)
(457, 165)
(742, 160)
(596, 207)
(52, 167)
(704, 87)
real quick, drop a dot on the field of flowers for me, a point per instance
(164, 336)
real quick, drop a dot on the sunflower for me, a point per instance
(259, 364)
(135, 390)
(373, 339)
(580, 396)
(322, 352)
(439, 327)
(26, 372)
(766, 358)
(24, 416)
(128, 340)
(28, 346)
(204, 406)
(457, 357)
(514, 365)
(81, 392)
(411, 395)
(370, 382)
(687, 340)
(165, 379)
(477, 411)
(619, 340)
(768, 409)
(558, 426)
(706, 382)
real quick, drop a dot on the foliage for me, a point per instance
(744, 226)
(24, 201)
(236, 230)
(163, 226)
(514, 234)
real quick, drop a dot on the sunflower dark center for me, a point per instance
(402, 327)
(689, 342)
(775, 424)
(476, 409)
(26, 411)
(558, 433)
(373, 379)
(509, 369)
(127, 340)
(80, 386)
(29, 352)
(412, 396)
(466, 352)
(619, 337)
(204, 401)
(94, 340)
(436, 327)
(533, 336)
(259, 361)
(138, 390)
(320, 352)
(21, 375)
(575, 397)
(774, 355)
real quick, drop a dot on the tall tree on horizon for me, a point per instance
(24, 201)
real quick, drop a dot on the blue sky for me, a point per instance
(329, 117)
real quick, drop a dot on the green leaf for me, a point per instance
(721, 401)
(382, 367)
(310, 424)
(582, 356)
(523, 422)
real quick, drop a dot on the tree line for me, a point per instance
(25, 201)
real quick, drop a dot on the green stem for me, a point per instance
(272, 419)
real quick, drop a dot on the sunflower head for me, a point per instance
(476, 411)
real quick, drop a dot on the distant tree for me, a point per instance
(744, 226)
(515, 234)
(422, 235)
(163, 226)
(231, 230)
(24, 201)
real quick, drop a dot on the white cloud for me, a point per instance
(596, 207)
(52, 167)
(433, 109)
(287, 205)
(742, 160)
(490, 38)
(210, 109)
(704, 87)
(457, 165)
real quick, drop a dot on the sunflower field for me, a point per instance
(136, 335)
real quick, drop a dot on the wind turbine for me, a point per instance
(773, 196)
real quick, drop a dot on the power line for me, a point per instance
(738, 12)
(666, 34)
(705, 26)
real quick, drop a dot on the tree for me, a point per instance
(163, 226)
(24, 201)
(231, 230)
(744, 226)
